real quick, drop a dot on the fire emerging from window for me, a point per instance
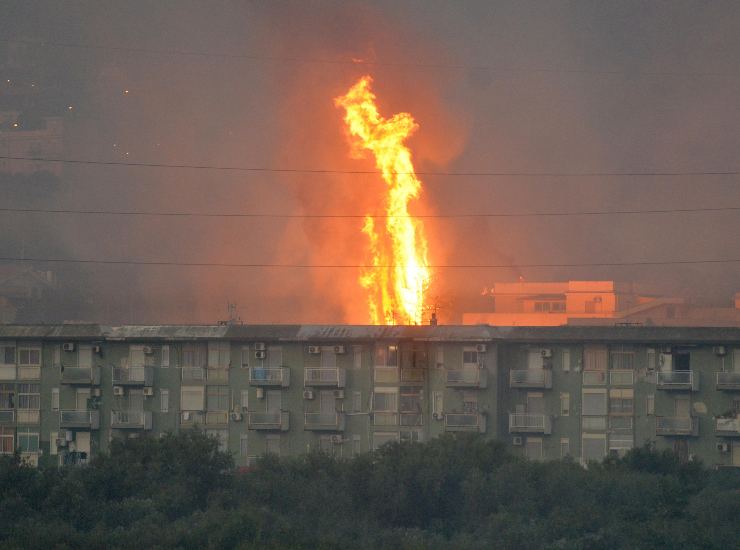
(400, 273)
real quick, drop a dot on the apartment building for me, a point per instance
(547, 392)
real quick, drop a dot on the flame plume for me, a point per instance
(400, 272)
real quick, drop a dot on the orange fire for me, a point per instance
(400, 273)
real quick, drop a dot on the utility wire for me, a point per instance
(526, 174)
(355, 266)
(360, 62)
(362, 216)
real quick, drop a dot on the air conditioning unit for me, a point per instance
(338, 394)
(97, 349)
(260, 346)
(148, 392)
(186, 416)
(61, 442)
(259, 354)
(95, 392)
(481, 348)
(147, 350)
(438, 416)
(339, 349)
(546, 353)
(118, 390)
(336, 439)
(307, 394)
(314, 350)
(236, 417)
(517, 441)
(260, 393)
(68, 435)
(720, 350)
(723, 447)
(68, 346)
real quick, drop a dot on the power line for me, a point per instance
(361, 62)
(359, 266)
(525, 174)
(362, 216)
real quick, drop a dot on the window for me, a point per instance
(594, 402)
(623, 359)
(622, 378)
(410, 436)
(593, 447)
(356, 445)
(274, 357)
(381, 438)
(28, 440)
(593, 423)
(328, 359)
(7, 354)
(191, 398)
(440, 353)
(650, 404)
(621, 401)
(386, 356)
(470, 356)
(357, 401)
(437, 402)
(357, 357)
(53, 443)
(136, 356)
(470, 402)
(620, 423)
(564, 447)
(29, 357)
(533, 448)
(219, 354)
(243, 446)
(165, 356)
(54, 399)
(566, 360)
(194, 355)
(565, 404)
(164, 401)
(7, 396)
(7, 440)
(619, 444)
(245, 399)
(594, 358)
(651, 359)
(217, 398)
(385, 406)
(245, 357)
(272, 444)
(410, 406)
(29, 396)
(85, 357)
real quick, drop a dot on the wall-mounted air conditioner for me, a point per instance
(148, 350)
(339, 349)
(68, 346)
(307, 394)
(260, 354)
(720, 350)
(723, 447)
(148, 392)
(236, 417)
(314, 350)
(546, 353)
(517, 441)
(336, 439)
(117, 390)
(481, 348)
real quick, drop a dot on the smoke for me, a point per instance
(509, 87)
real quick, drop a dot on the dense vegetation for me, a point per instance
(180, 491)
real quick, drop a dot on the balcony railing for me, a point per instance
(622, 377)
(263, 376)
(594, 377)
(728, 381)
(465, 422)
(682, 380)
(274, 421)
(217, 375)
(79, 419)
(133, 420)
(81, 376)
(385, 418)
(28, 416)
(133, 376)
(7, 372)
(412, 375)
(323, 422)
(467, 377)
(193, 374)
(530, 423)
(677, 425)
(217, 417)
(331, 377)
(727, 427)
(530, 378)
(192, 418)
(7, 416)
(29, 372)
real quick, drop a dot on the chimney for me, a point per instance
(433, 318)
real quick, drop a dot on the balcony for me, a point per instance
(465, 422)
(467, 377)
(263, 376)
(727, 427)
(277, 421)
(131, 420)
(214, 418)
(530, 423)
(7, 372)
(79, 419)
(133, 376)
(28, 416)
(412, 376)
(728, 381)
(594, 377)
(193, 374)
(677, 426)
(530, 378)
(678, 380)
(29, 372)
(331, 377)
(217, 375)
(7, 416)
(323, 422)
(81, 376)
(188, 419)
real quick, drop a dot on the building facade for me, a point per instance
(547, 392)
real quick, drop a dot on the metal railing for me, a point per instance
(678, 379)
(530, 423)
(8, 372)
(324, 377)
(323, 421)
(193, 374)
(622, 377)
(7, 416)
(269, 376)
(465, 422)
(412, 375)
(594, 377)
(131, 419)
(79, 419)
(728, 380)
(268, 420)
(727, 427)
(676, 425)
(133, 376)
(530, 378)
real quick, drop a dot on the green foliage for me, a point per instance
(180, 491)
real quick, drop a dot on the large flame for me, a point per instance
(399, 274)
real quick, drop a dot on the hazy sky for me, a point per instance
(504, 86)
